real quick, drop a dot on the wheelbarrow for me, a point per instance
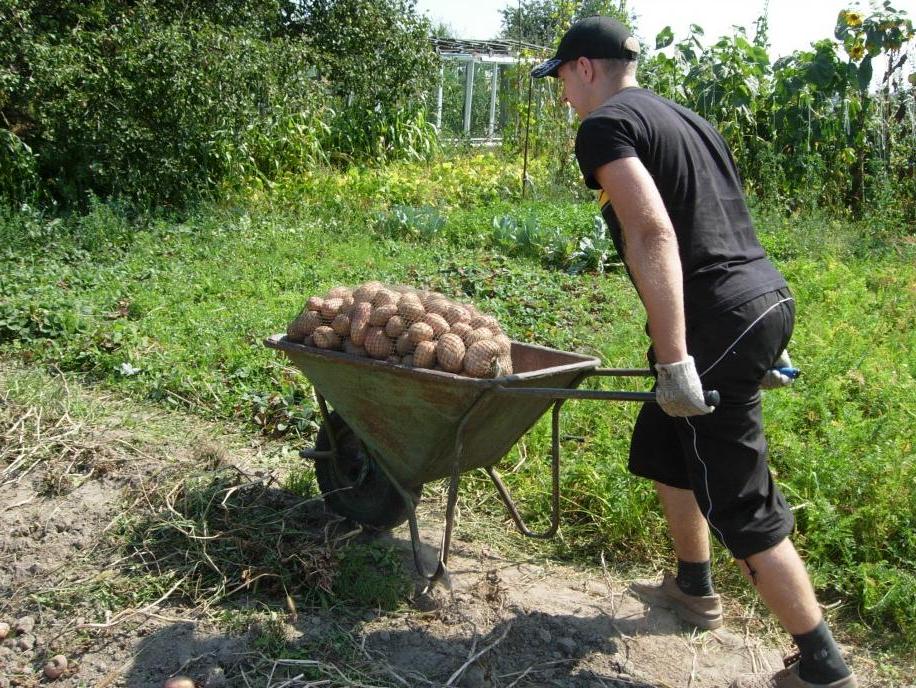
(393, 429)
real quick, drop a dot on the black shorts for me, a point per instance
(722, 456)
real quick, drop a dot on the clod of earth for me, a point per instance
(25, 625)
(55, 667)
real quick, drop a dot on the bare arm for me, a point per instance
(651, 252)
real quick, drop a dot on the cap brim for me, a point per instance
(548, 68)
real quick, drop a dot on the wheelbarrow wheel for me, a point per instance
(353, 484)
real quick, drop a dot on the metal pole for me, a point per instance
(439, 98)
(468, 96)
(494, 88)
(527, 129)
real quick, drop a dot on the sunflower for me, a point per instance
(853, 19)
(857, 51)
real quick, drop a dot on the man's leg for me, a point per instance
(782, 581)
(688, 528)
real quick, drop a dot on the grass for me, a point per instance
(174, 311)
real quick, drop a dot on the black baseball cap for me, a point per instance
(594, 37)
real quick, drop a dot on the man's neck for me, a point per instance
(609, 87)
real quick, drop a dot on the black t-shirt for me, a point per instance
(722, 261)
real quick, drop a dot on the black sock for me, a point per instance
(694, 578)
(821, 661)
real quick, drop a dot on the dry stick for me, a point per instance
(477, 656)
(523, 675)
(610, 592)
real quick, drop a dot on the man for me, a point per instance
(719, 316)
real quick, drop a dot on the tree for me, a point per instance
(542, 22)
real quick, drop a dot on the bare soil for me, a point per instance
(501, 620)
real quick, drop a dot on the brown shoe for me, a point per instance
(703, 612)
(788, 678)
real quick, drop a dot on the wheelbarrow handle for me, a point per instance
(711, 396)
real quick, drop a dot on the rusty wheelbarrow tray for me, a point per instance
(395, 428)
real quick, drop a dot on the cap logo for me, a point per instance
(631, 44)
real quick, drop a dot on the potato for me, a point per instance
(341, 325)
(179, 682)
(478, 321)
(477, 335)
(505, 344)
(381, 314)
(315, 303)
(480, 359)
(503, 365)
(330, 308)
(438, 306)
(420, 332)
(383, 297)
(455, 314)
(428, 297)
(462, 329)
(309, 341)
(450, 352)
(346, 306)
(326, 338)
(366, 292)
(359, 322)
(437, 322)
(395, 326)
(339, 292)
(424, 356)
(410, 310)
(378, 345)
(404, 345)
(304, 324)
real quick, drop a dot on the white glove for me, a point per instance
(772, 378)
(678, 389)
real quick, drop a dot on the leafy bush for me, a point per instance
(159, 101)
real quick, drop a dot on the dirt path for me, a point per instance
(502, 623)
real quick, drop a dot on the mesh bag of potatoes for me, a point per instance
(405, 326)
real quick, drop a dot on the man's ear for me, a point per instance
(587, 68)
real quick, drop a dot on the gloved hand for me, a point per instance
(678, 389)
(773, 378)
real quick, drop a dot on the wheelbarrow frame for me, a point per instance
(485, 392)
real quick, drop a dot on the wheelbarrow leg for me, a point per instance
(555, 475)
(326, 419)
(455, 478)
